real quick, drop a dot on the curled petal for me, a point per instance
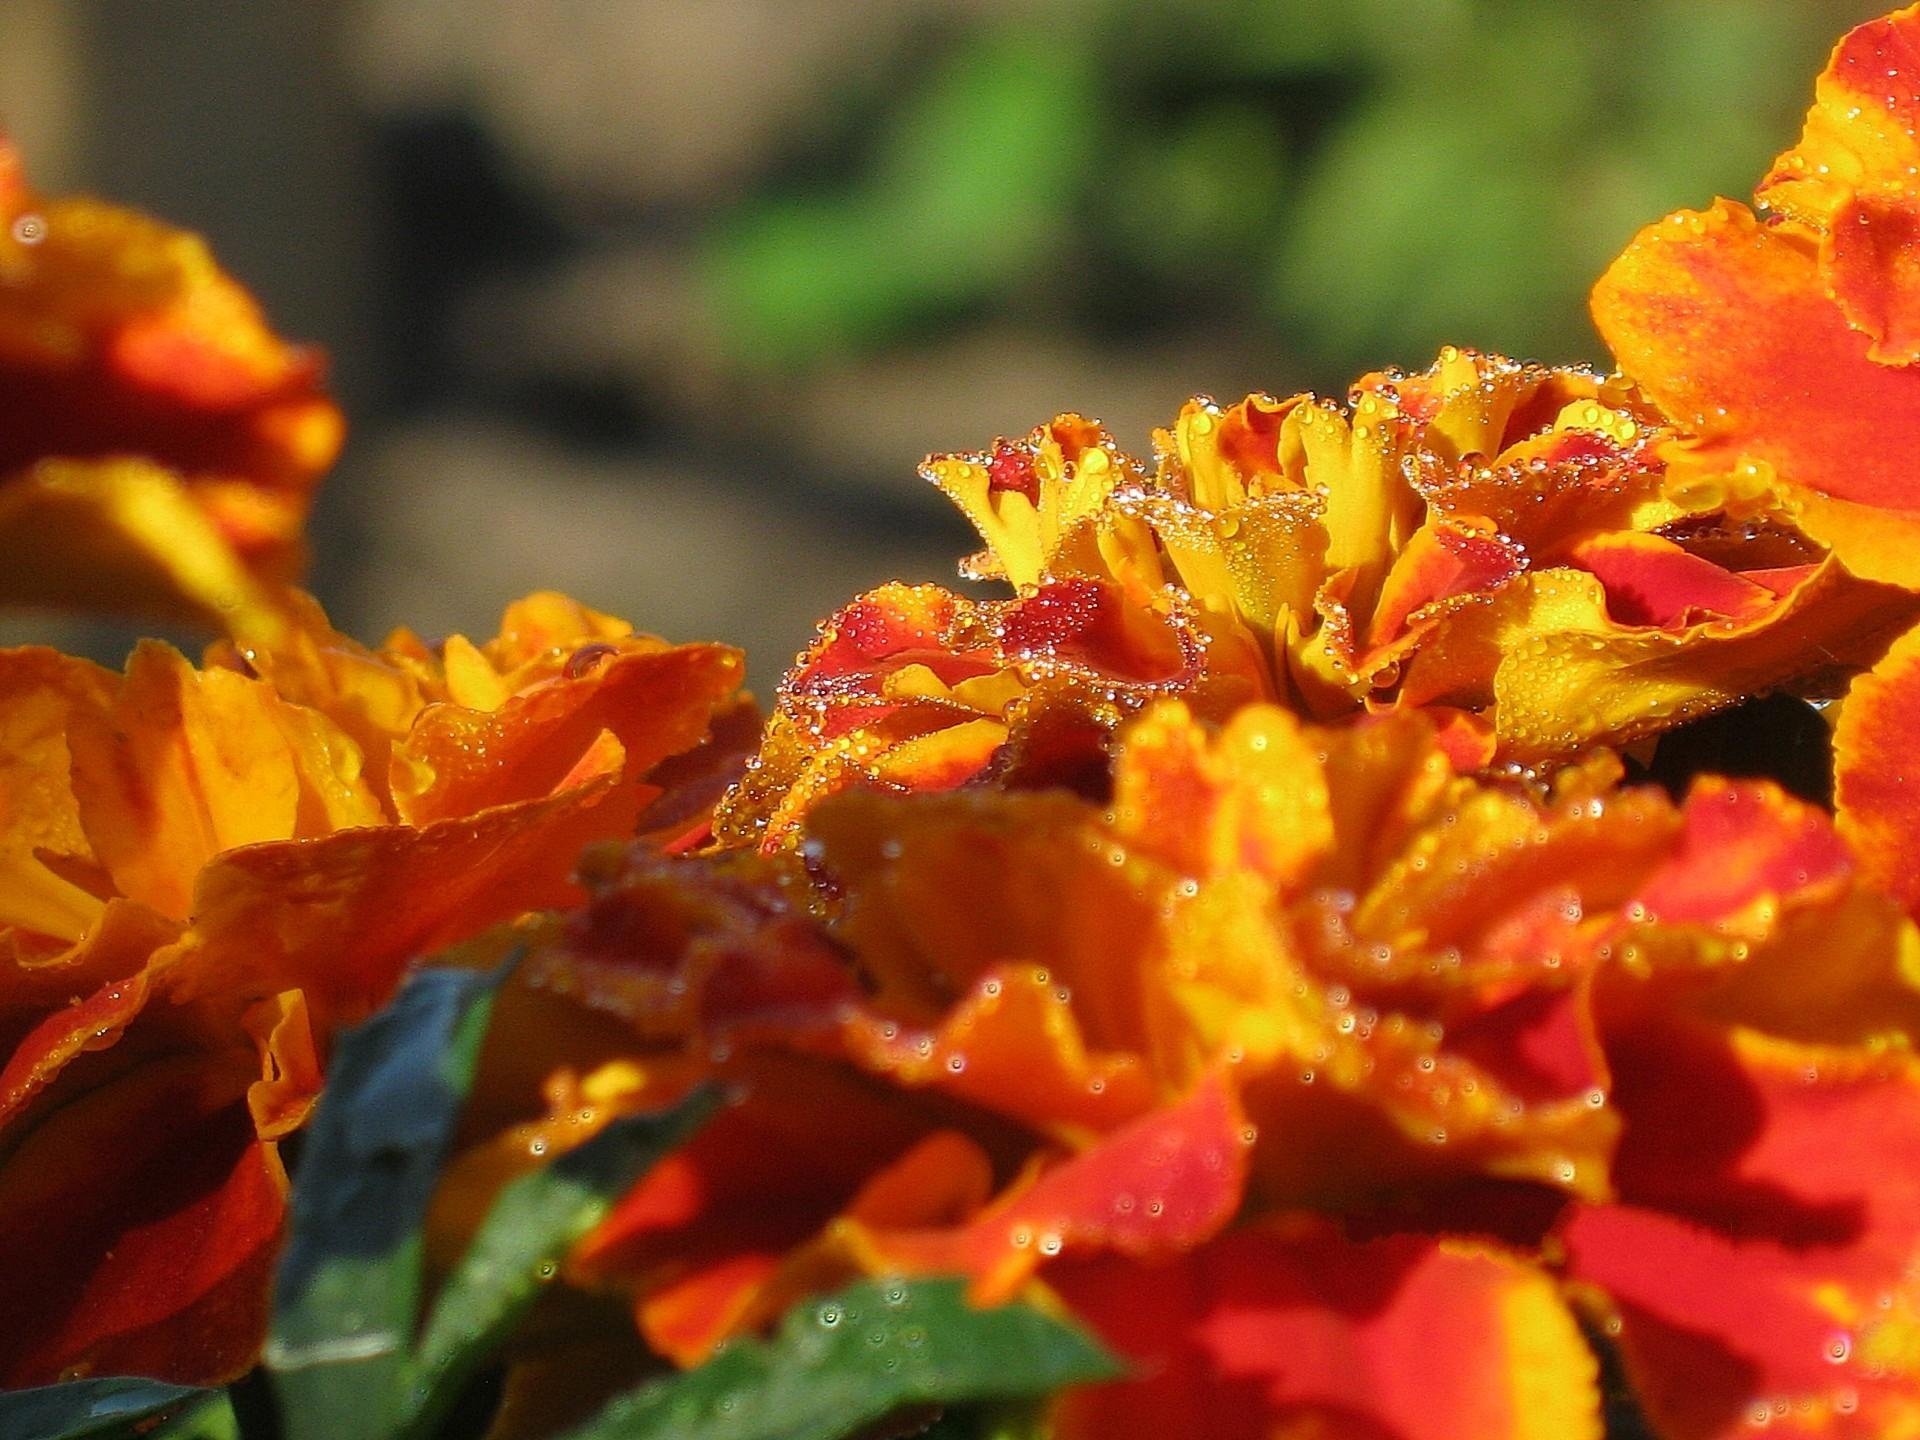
(1029, 498)
(290, 1073)
(946, 890)
(1872, 261)
(1650, 580)
(656, 700)
(340, 916)
(545, 631)
(1730, 327)
(1569, 675)
(78, 1001)
(1159, 1186)
(1743, 849)
(1861, 130)
(1012, 1045)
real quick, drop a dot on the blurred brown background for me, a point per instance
(661, 301)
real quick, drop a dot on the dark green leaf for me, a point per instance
(97, 1409)
(839, 1365)
(1019, 1420)
(534, 1222)
(349, 1285)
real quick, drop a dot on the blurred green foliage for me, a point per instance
(1347, 182)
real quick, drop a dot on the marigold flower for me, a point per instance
(204, 873)
(158, 443)
(1326, 1082)
(1782, 348)
(1492, 542)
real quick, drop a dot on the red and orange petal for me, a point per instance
(913, 688)
(703, 1237)
(1031, 499)
(1757, 1267)
(158, 443)
(1730, 326)
(1651, 580)
(943, 892)
(1849, 179)
(1012, 1044)
(1860, 132)
(1159, 1186)
(157, 1261)
(1443, 559)
(1287, 1328)
(1876, 747)
(1744, 850)
(119, 335)
(693, 953)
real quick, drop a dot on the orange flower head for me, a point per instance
(1496, 544)
(1326, 1081)
(158, 443)
(204, 873)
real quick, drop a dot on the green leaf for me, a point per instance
(533, 1223)
(96, 1409)
(971, 187)
(840, 1364)
(349, 1284)
(212, 1418)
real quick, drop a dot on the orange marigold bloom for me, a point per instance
(205, 872)
(1494, 543)
(158, 443)
(1783, 347)
(1326, 1082)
